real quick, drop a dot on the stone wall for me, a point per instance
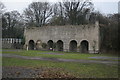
(66, 34)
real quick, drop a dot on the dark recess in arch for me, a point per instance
(73, 46)
(50, 45)
(84, 46)
(59, 45)
(31, 45)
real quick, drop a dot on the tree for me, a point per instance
(38, 13)
(109, 33)
(2, 8)
(99, 17)
(76, 10)
(58, 17)
(13, 19)
(114, 22)
(72, 12)
(12, 25)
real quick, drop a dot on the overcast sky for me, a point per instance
(104, 6)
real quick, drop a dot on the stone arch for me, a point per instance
(59, 45)
(50, 45)
(38, 44)
(31, 45)
(84, 46)
(73, 46)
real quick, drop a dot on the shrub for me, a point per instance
(44, 45)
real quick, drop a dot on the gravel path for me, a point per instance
(60, 60)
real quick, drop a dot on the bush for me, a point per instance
(44, 45)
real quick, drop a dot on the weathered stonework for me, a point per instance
(68, 33)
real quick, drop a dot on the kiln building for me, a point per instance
(71, 38)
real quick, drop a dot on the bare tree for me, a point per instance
(2, 8)
(58, 17)
(74, 9)
(38, 13)
(13, 19)
(58, 9)
(71, 12)
(12, 24)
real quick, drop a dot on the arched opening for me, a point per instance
(50, 45)
(59, 45)
(31, 45)
(38, 44)
(73, 46)
(84, 46)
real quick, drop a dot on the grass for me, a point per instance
(65, 55)
(80, 70)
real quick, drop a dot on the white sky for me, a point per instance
(104, 6)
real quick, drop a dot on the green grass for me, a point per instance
(81, 70)
(66, 55)
(0, 60)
